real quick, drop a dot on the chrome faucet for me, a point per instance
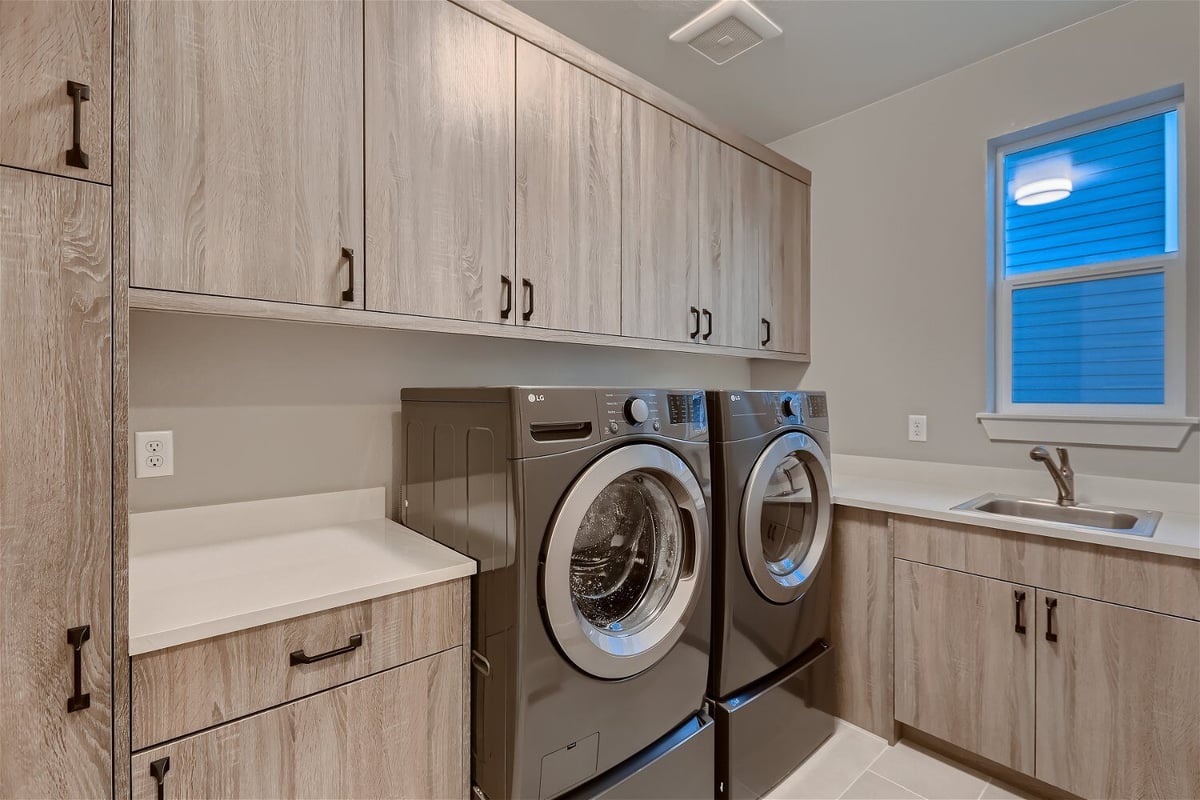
(1063, 475)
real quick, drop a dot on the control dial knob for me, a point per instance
(636, 410)
(790, 407)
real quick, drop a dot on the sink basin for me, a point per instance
(1111, 520)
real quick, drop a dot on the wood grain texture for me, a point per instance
(734, 225)
(861, 619)
(467, 677)
(568, 195)
(1118, 701)
(545, 37)
(783, 293)
(659, 224)
(1028, 786)
(1149, 581)
(247, 148)
(393, 735)
(155, 300)
(184, 689)
(440, 188)
(42, 46)
(55, 484)
(963, 673)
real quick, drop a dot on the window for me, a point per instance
(1088, 266)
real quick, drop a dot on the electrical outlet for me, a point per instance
(916, 427)
(154, 454)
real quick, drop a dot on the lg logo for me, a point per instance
(733, 398)
(536, 398)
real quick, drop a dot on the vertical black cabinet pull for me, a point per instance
(707, 324)
(80, 93)
(506, 309)
(76, 637)
(1019, 598)
(527, 285)
(158, 771)
(348, 294)
(695, 323)
(766, 332)
(1051, 604)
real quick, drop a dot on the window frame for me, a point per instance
(1173, 266)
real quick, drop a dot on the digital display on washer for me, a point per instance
(686, 408)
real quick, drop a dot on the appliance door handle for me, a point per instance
(1019, 610)
(80, 93)
(506, 285)
(348, 294)
(695, 323)
(79, 699)
(299, 657)
(527, 285)
(767, 332)
(1051, 605)
(707, 325)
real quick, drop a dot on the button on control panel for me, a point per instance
(679, 415)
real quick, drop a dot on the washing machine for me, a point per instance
(588, 513)
(771, 671)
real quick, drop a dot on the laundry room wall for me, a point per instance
(899, 237)
(271, 409)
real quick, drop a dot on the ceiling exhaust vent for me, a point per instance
(726, 30)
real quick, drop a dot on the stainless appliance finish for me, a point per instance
(588, 511)
(772, 512)
(1102, 518)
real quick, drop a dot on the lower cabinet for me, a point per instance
(965, 661)
(395, 734)
(1118, 699)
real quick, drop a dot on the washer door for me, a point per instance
(624, 561)
(786, 517)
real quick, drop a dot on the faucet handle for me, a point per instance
(1064, 459)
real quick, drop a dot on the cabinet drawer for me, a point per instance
(193, 686)
(397, 734)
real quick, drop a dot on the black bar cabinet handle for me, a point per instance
(695, 312)
(506, 309)
(1019, 598)
(80, 93)
(348, 294)
(80, 699)
(158, 770)
(1051, 604)
(707, 324)
(767, 337)
(298, 656)
(527, 285)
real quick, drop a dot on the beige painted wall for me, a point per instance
(270, 409)
(899, 221)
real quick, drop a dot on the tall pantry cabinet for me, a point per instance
(56, 632)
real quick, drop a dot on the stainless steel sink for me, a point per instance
(1103, 518)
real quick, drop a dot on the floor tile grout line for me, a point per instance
(894, 783)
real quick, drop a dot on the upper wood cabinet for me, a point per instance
(784, 280)
(735, 193)
(55, 58)
(660, 275)
(439, 86)
(964, 661)
(55, 487)
(568, 196)
(1118, 699)
(246, 162)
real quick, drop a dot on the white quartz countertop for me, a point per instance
(201, 572)
(928, 489)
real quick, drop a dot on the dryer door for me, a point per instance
(786, 517)
(625, 561)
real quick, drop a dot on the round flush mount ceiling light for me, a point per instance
(1038, 193)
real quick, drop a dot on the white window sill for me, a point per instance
(1147, 432)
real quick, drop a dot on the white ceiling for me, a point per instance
(834, 55)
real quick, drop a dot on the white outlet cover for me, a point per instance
(153, 454)
(917, 431)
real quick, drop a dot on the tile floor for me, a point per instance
(856, 765)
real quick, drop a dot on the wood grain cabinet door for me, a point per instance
(246, 149)
(1118, 699)
(964, 666)
(440, 190)
(55, 486)
(660, 276)
(568, 196)
(734, 225)
(783, 287)
(51, 55)
(397, 734)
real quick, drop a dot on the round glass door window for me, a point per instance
(624, 560)
(786, 517)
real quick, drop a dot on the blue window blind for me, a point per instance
(1089, 341)
(1124, 203)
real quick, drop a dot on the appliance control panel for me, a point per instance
(673, 413)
